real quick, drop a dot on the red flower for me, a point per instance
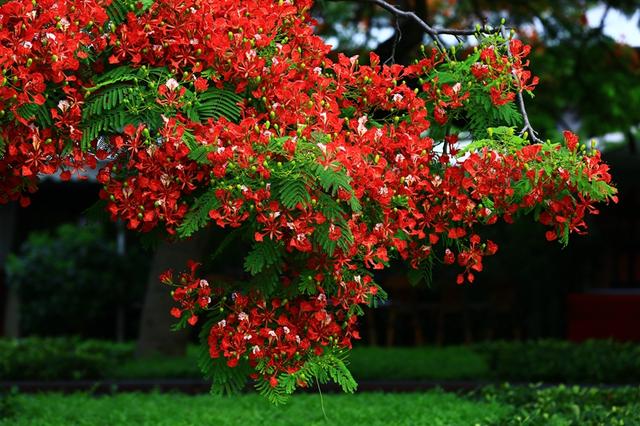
(571, 139)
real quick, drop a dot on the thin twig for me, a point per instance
(520, 99)
(604, 18)
(398, 37)
(322, 401)
(433, 32)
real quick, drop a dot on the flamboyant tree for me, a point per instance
(231, 114)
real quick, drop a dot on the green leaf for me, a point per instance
(331, 179)
(329, 366)
(423, 274)
(228, 239)
(119, 9)
(198, 216)
(200, 153)
(215, 103)
(263, 255)
(292, 191)
(38, 113)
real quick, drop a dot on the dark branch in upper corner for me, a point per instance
(433, 32)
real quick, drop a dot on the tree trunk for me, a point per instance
(156, 336)
(9, 302)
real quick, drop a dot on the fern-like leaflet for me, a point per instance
(198, 216)
(263, 255)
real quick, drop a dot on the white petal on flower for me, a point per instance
(172, 84)
(64, 105)
(362, 129)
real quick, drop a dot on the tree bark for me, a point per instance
(9, 296)
(156, 336)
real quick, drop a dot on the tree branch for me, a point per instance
(520, 99)
(407, 36)
(435, 34)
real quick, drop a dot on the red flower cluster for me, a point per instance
(193, 294)
(277, 335)
(147, 185)
(505, 73)
(44, 51)
(333, 168)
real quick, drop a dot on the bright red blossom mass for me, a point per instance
(231, 113)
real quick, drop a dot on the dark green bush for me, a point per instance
(59, 358)
(597, 361)
(549, 361)
(566, 405)
(8, 404)
(72, 282)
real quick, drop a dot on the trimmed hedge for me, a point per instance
(566, 405)
(59, 358)
(550, 361)
(71, 281)
(596, 361)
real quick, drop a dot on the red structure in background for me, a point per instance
(613, 309)
(604, 314)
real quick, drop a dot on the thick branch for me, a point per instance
(433, 32)
(407, 36)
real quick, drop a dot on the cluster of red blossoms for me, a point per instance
(278, 334)
(44, 46)
(333, 168)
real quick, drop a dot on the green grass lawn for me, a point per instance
(428, 363)
(530, 406)
(432, 408)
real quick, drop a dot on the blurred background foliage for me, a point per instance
(73, 281)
